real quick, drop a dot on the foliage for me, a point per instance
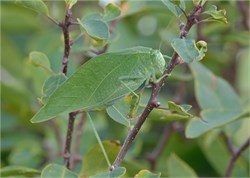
(117, 56)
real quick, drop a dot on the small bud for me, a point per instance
(181, 26)
(156, 103)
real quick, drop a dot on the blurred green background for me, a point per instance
(146, 23)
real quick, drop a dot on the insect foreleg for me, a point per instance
(154, 80)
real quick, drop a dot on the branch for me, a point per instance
(234, 158)
(78, 139)
(67, 153)
(67, 44)
(156, 87)
(65, 27)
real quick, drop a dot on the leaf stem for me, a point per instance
(235, 156)
(156, 87)
(53, 20)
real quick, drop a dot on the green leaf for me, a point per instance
(118, 112)
(12, 82)
(50, 85)
(117, 173)
(176, 2)
(27, 153)
(180, 109)
(126, 111)
(102, 81)
(188, 50)
(96, 28)
(216, 15)
(58, 171)
(18, 171)
(147, 174)
(70, 3)
(162, 115)
(39, 59)
(178, 168)
(219, 103)
(36, 5)
(174, 6)
(37, 76)
(90, 166)
(241, 37)
(242, 79)
(196, 2)
(111, 12)
(174, 112)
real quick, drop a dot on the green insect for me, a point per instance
(103, 80)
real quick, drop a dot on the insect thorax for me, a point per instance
(158, 61)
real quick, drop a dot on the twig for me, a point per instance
(234, 158)
(67, 44)
(67, 154)
(156, 87)
(78, 139)
(65, 27)
(229, 144)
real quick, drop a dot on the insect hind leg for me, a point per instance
(131, 78)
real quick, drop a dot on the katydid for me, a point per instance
(103, 80)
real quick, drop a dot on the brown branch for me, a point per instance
(67, 44)
(67, 153)
(65, 28)
(235, 156)
(78, 139)
(156, 87)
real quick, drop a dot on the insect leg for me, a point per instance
(159, 79)
(135, 98)
(122, 79)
